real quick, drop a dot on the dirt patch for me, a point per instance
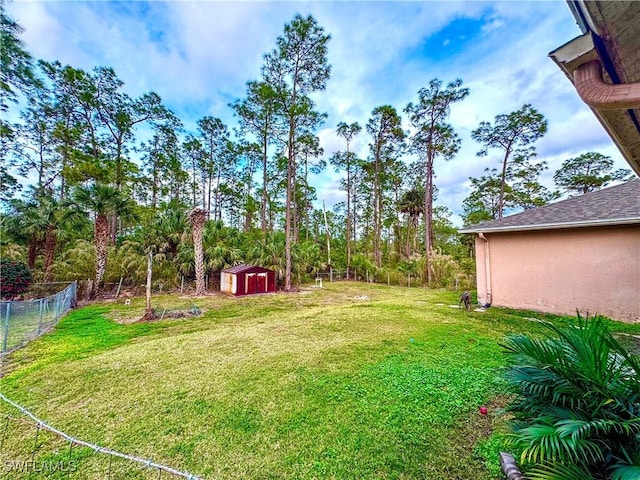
(159, 315)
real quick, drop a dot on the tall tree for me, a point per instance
(258, 116)
(387, 142)
(310, 150)
(588, 172)
(16, 75)
(297, 67)
(79, 127)
(483, 203)
(514, 134)
(249, 157)
(346, 161)
(161, 156)
(120, 114)
(433, 137)
(214, 136)
(36, 143)
(194, 157)
(528, 192)
(68, 128)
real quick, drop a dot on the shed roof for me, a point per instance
(618, 205)
(245, 268)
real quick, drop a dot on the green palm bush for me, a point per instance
(577, 403)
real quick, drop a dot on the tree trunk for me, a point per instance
(208, 210)
(290, 179)
(408, 243)
(50, 241)
(326, 227)
(33, 253)
(217, 214)
(377, 212)
(101, 233)
(428, 219)
(503, 180)
(287, 229)
(198, 218)
(194, 183)
(265, 179)
(348, 210)
(354, 218)
(306, 199)
(149, 313)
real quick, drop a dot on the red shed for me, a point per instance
(247, 280)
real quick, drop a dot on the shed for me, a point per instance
(247, 280)
(582, 253)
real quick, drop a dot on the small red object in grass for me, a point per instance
(483, 410)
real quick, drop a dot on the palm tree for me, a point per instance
(307, 258)
(269, 253)
(578, 395)
(39, 219)
(198, 217)
(412, 203)
(50, 210)
(102, 201)
(221, 246)
(171, 227)
(26, 221)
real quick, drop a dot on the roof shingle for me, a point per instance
(618, 205)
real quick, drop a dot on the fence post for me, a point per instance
(119, 287)
(74, 295)
(39, 316)
(6, 328)
(58, 307)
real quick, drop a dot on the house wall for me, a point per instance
(561, 271)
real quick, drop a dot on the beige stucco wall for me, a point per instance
(561, 271)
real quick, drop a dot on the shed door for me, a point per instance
(261, 284)
(251, 283)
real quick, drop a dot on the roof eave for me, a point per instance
(570, 56)
(613, 222)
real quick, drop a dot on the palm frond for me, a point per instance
(559, 471)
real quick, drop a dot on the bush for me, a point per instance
(15, 278)
(577, 403)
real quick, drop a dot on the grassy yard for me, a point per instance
(349, 381)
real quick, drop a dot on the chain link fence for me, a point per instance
(25, 320)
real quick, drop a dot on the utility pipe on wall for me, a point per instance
(487, 269)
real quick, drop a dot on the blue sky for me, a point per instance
(198, 57)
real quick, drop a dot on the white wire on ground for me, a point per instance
(97, 448)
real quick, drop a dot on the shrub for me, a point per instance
(577, 403)
(15, 278)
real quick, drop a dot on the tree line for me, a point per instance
(112, 177)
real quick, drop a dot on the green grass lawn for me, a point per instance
(352, 381)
